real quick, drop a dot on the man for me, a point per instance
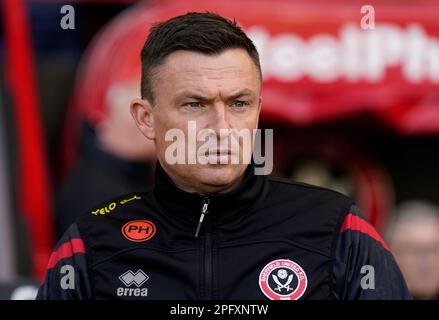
(216, 230)
(414, 239)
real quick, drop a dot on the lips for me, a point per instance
(218, 153)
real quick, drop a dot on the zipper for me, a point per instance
(204, 211)
(208, 261)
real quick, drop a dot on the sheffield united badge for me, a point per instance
(283, 279)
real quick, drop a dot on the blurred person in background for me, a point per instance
(321, 173)
(111, 156)
(414, 240)
(114, 159)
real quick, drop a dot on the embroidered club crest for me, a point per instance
(283, 279)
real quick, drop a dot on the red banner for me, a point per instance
(319, 64)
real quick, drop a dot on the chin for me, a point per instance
(219, 175)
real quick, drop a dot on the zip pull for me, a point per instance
(204, 210)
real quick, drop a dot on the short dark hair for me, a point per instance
(207, 33)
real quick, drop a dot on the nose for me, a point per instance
(219, 118)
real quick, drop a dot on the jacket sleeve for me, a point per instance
(67, 276)
(363, 266)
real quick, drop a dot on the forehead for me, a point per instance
(409, 229)
(230, 69)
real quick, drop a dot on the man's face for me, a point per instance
(117, 133)
(216, 92)
(415, 245)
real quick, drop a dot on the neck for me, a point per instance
(204, 188)
(247, 191)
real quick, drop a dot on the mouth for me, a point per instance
(218, 153)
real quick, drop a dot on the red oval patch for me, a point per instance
(138, 230)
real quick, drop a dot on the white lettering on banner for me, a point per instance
(353, 55)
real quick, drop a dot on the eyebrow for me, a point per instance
(201, 97)
(241, 93)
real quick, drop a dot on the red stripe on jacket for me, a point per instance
(66, 250)
(355, 223)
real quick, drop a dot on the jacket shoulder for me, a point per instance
(301, 188)
(318, 208)
(125, 206)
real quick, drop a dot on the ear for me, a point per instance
(259, 109)
(260, 104)
(141, 110)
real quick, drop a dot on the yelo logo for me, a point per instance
(105, 210)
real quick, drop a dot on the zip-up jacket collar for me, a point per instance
(222, 206)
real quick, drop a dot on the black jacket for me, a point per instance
(269, 239)
(97, 177)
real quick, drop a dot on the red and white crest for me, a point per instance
(283, 279)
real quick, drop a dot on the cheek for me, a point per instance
(164, 125)
(252, 119)
(250, 124)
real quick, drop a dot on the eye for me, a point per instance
(193, 105)
(240, 104)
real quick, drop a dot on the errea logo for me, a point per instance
(137, 279)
